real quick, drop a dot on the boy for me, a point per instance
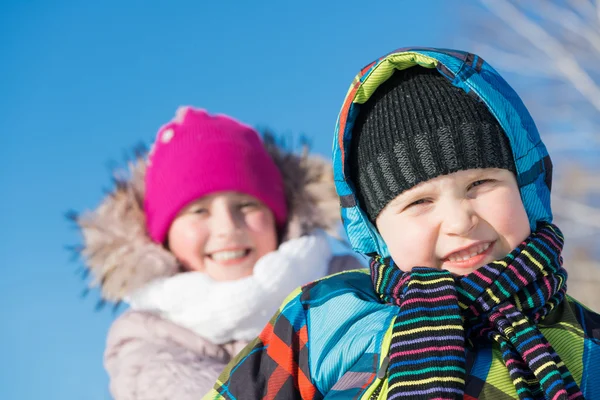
(445, 183)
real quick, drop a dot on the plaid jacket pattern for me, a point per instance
(330, 340)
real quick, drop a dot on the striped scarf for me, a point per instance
(501, 302)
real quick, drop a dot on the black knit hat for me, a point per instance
(415, 127)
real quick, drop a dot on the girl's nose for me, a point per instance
(224, 221)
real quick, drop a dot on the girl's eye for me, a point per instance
(248, 205)
(199, 210)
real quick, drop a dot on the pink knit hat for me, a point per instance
(197, 154)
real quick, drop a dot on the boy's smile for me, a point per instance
(457, 222)
(472, 256)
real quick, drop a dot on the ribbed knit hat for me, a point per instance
(197, 154)
(417, 126)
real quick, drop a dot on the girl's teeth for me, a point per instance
(466, 254)
(228, 255)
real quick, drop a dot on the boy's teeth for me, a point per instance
(228, 255)
(468, 253)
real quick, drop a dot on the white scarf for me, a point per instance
(236, 310)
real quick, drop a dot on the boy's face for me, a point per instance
(223, 235)
(457, 222)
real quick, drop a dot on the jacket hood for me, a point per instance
(120, 255)
(477, 78)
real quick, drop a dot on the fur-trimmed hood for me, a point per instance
(120, 255)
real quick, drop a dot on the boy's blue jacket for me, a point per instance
(330, 338)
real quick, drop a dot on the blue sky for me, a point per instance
(83, 82)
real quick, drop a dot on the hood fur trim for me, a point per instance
(121, 256)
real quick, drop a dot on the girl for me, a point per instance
(204, 241)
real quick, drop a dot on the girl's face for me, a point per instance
(223, 235)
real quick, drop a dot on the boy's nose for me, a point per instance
(459, 219)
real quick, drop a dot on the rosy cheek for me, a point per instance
(260, 221)
(512, 222)
(261, 225)
(196, 238)
(519, 230)
(415, 245)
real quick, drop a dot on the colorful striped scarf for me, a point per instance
(501, 302)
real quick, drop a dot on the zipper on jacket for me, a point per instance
(383, 369)
(381, 374)
(375, 394)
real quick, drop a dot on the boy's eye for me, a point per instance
(417, 203)
(479, 183)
